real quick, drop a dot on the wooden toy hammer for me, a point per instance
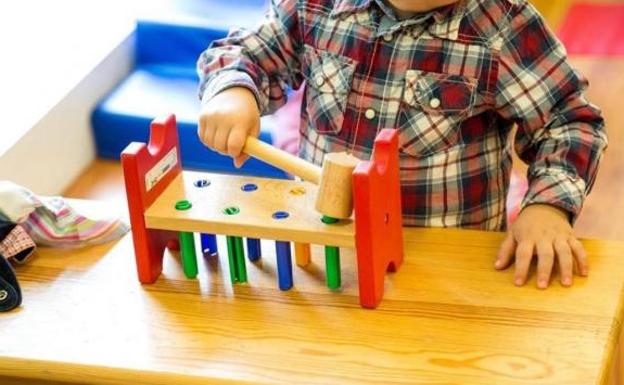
(335, 179)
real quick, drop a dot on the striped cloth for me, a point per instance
(51, 221)
(55, 223)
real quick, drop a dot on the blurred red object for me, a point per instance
(594, 29)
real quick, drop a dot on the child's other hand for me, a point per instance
(544, 231)
(226, 121)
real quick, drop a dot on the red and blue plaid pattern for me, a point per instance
(453, 81)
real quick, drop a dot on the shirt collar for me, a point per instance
(350, 6)
(446, 19)
(442, 14)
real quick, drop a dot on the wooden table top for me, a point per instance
(447, 318)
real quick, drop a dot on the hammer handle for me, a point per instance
(282, 160)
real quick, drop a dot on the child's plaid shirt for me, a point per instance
(453, 82)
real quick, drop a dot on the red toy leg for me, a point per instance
(378, 221)
(148, 170)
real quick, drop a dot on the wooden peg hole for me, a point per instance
(231, 210)
(183, 205)
(280, 215)
(297, 191)
(249, 187)
(200, 183)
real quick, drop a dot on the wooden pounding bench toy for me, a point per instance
(167, 204)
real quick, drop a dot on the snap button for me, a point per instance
(3, 295)
(319, 80)
(370, 114)
(434, 103)
(387, 37)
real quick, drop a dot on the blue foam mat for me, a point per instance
(167, 46)
(125, 115)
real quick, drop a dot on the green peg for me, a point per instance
(332, 260)
(236, 252)
(236, 259)
(239, 255)
(187, 251)
(187, 244)
(232, 258)
(332, 267)
(329, 220)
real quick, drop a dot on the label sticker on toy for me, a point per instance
(161, 169)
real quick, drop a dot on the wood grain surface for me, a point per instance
(447, 318)
(256, 209)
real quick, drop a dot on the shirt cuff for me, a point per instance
(228, 79)
(556, 188)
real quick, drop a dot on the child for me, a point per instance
(453, 78)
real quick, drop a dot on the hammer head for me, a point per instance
(335, 193)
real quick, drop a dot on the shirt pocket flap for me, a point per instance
(327, 72)
(439, 93)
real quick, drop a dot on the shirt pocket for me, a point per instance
(432, 109)
(328, 84)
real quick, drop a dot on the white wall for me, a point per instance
(58, 59)
(60, 146)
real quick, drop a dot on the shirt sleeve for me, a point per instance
(560, 135)
(264, 60)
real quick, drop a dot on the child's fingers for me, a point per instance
(240, 160)
(206, 131)
(255, 129)
(524, 255)
(221, 139)
(505, 252)
(236, 141)
(579, 255)
(576, 269)
(545, 261)
(564, 256)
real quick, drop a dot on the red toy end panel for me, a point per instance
(378, 220)
(148, 170)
